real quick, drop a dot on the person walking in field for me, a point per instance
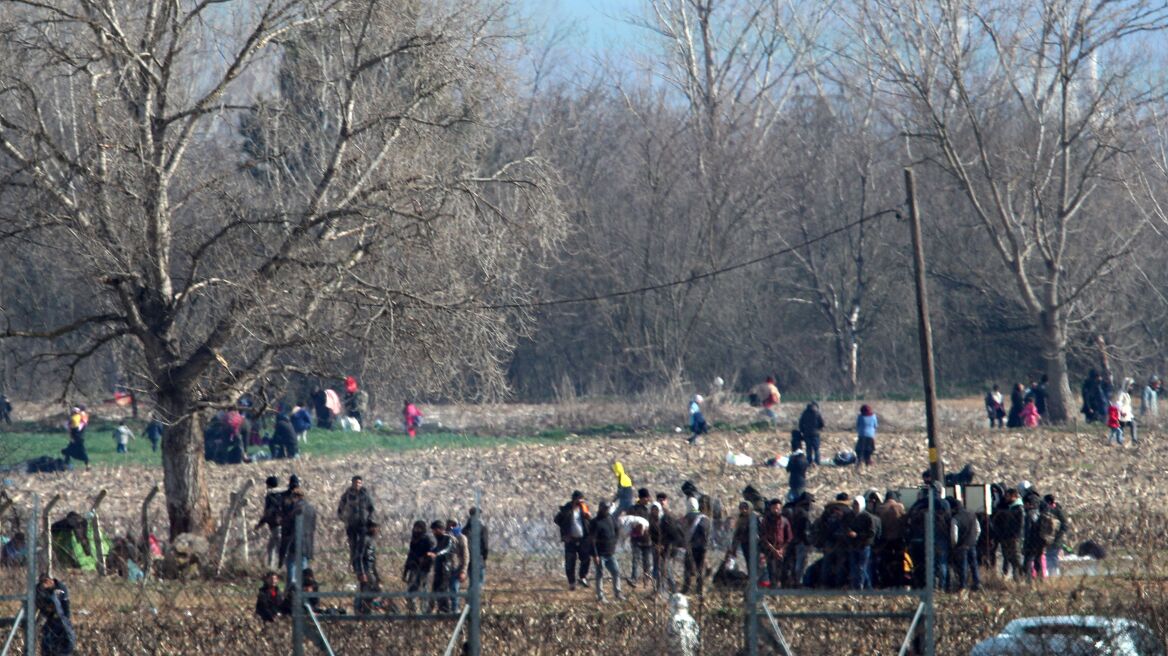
(1150, 401)
(640, 542)
(411, 419)
(1114, 427)
(154, 432)
(417, 567)
(355, 510)
(573, 520)
(273, 509)
(865, 437)
(75, 450)
(122, 437)
(1124, 400)
(365, 567)
(603, 533)
(301, 422)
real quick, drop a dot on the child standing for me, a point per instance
(122, 436)
(1030, 414)
(865, 437)
(1115, 429)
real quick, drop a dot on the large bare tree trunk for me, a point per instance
(1059, 401)
(187, 502)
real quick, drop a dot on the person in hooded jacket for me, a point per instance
(810, 425)
(416, 570)
(964, 532)
(796, 473)
(301, 422)
(269, 602)
(603, 534)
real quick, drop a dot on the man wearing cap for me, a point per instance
(573, 519)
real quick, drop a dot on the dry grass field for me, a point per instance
(1113, 496)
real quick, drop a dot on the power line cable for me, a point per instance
(693, 278)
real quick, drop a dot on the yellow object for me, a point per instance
(622, 478)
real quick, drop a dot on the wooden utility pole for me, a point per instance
(928, 376)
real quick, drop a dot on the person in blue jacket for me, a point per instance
(865, 436)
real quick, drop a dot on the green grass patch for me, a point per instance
(31, 441)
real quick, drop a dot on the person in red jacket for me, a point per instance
(1115, 429)
(776, 535)
(411, 419)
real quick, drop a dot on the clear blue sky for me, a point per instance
(601, 23)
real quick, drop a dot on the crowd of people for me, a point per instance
(866, 541)
(438, 561)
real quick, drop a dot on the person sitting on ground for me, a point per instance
(269, 604)
(865, 437)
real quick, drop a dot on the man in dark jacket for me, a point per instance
(52, 602)
(273, 509)
(798, 513)
(1037, 533)
(640, 540)
(773, 541)
(888, 552)
(698, 531)
(442, 558)
(830, 533)
(365, 567)
(1007, 523)
(299, 507)
(671, 548)
(862, 533)
(965, 530)
(484, 543)
(796, 473)
(283, 440)
(417, 567)
(810, 425)
(573, 519)
(602, 537)
(916, 523)
(355, 510)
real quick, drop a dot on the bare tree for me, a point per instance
(241, 189)
(1031, 109)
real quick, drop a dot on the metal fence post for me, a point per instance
(297, 570)
(30, 592)
(930, 571)
(752, 587)
(474, 641)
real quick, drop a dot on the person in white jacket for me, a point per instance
(1124, 401)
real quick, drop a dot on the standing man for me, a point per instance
(862, 533)
(698, 528)
(1150, 401)
(768, 397)
(573, 519)
(301, 422)
(365, 567)
(154, 433)
(355, 510)
(418, 560)
(442, 558)
(603, 535)
(1007, 523)
(273, 511)
(965, 531)
(461, 552)
(640, 542)
(773, 541)
(298, 507)
(671, 547)
(810, 425)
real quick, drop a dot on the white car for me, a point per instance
(1072, 635)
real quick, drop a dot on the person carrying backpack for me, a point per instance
(573, 519)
